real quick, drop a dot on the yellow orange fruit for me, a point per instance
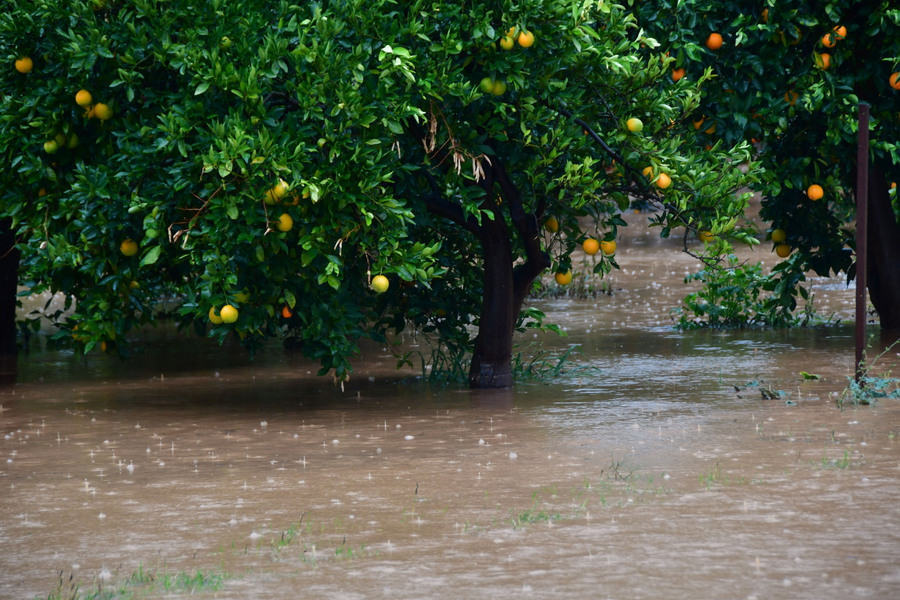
(783, 250)
(83, 98)
(498, 87)
(24, 65)
(213, 317)
(564, 278)
(128, 247)
(714, 41)
(229, 313)
(285, 222)
(507, 42)
(779, 235)
(526, 39)
(551, 224)
(634, 125)
(664, 181)
(815, 192)
(648, 172)
(590, 246)
(677, 74)
(102, 111)
(705, 236)
(51, 146)
(791, 97)
(608, 247)
(380, 284)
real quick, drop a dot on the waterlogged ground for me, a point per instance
(672, 465)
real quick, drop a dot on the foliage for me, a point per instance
(389, 132)
(740, 295)
(774, 86)
(868, 388)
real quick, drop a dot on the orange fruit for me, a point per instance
(765, 15)
(286, 312)
(815, 192)
(51, 146)
(714, 41)
(128, 247)
(563, 278)
(380, 283)
(228, 313)
(634, 125)
(526, 39)
(783, 250)
(840, 32)
(213, 317)
(648, 172)
(590, 246)
(24, 65)
(790, 97)
(705, 236)
(829, 40)
(498, 88)
(894, 80)
(551, 224)
(823, 61)
(102, 111)
(285, 222)
(608, 247)
(677, 74)
(507, 42)
(779, 235)
(276, 193)
(664, 181)
(83, 98)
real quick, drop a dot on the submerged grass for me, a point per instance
(139, 583)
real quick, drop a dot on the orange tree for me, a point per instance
(340, 169)
(789, 77)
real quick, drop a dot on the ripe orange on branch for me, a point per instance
(815, 192)
(24, 65)
(590, 246)
(894, 80)
(563, 278)
(714, 41)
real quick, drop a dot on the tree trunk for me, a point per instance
(883, 269)
(492, 356)
(9, 266)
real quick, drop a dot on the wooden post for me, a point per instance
(862, 217)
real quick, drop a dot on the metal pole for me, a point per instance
(862, 217)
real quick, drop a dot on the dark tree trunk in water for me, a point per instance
(492, 357)
(883, 269)
(9, 267)
(505, 287)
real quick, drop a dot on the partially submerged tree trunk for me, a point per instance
(505, 286)
(9, 267)
(883, 269)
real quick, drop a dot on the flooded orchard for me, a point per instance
(670, 464)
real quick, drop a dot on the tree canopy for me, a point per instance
(789, 77)
(276, 158)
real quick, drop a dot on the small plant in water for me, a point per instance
(739, 295)
(868, 389)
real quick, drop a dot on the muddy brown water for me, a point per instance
(646, 474)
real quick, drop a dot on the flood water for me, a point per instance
(657, 470)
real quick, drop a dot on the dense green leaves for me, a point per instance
(268, 154)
